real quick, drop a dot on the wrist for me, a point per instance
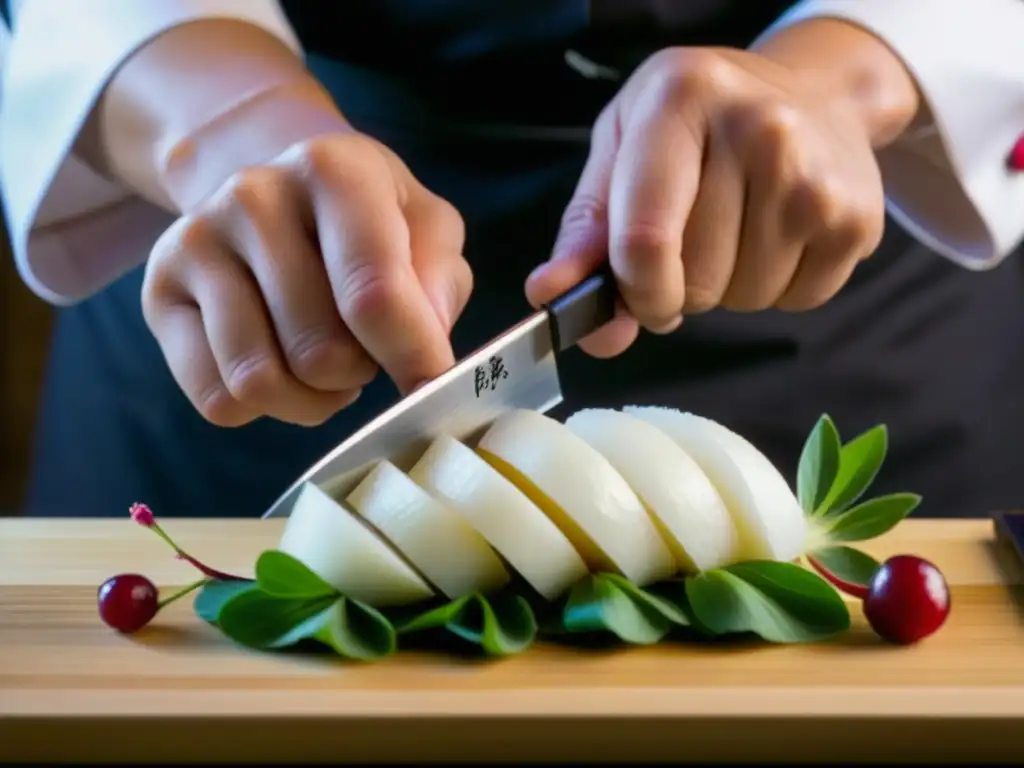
(844, 65)
(253, 130)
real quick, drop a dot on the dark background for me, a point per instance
(25, 322)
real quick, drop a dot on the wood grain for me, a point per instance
(181, 692)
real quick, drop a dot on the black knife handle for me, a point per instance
(583, 309)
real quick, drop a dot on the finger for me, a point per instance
(582, 242)
(245, 347)
(769, 251)
(614, 337)
(265, 217)
(712, 234)
(436, 238)
(178, 329)
(367, 249)
(826, 266)
(654, 185)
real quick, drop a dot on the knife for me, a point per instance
(518, 369)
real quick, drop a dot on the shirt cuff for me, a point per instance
(948, 184)
(54, 204)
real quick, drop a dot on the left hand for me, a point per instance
(717, 178)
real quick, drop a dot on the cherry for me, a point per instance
(128, 602)
(906, 600)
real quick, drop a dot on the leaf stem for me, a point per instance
(854, 590)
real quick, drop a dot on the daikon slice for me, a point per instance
(766, 512)
(581, 492)
(693, 518)
(433, 538)
(507, 519)
(333, 543)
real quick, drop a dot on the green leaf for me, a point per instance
(502, 625)
(849, 564)
(281, 575)
(258, 620)
(780, 602)
(872, 518)
(859, 462)
(356, 630)
(597, 603)
(214, 594)
(667, 598)
(819, 464)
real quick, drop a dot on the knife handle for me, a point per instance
(583, 309)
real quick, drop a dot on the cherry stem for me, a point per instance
(182, 592)
(144, 517)
(859, 591)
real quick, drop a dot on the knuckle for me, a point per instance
(777, 123)
(256, 379)
(584, 210)
(686, 73)
(188, 236)
(253, 191)
(367, 290)
(218, 407)
(647, 244)
(448, 221)
(317, 354)
(323, 156)
(702, 298)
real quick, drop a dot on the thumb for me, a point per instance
(582, 243)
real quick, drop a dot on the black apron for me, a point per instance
(479, 100)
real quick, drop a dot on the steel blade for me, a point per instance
(515, 370)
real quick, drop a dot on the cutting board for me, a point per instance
(71, 689)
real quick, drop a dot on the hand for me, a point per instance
(282, 293)
(717, 178)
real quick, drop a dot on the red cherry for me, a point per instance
(907, 600)
(128, 602)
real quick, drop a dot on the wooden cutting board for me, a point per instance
(71, 689)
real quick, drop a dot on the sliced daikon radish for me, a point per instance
(581, 492)
(433, 538)
(509, 521)
(692, 517)
(766, 512)
(333, 543)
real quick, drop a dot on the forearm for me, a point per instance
(173, 123)
(846, 64)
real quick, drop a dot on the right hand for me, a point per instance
(282, 292)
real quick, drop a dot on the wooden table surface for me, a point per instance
(71, 689)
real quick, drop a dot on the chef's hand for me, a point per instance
(281, 293)
(717, 178)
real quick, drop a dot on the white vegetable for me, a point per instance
(694, 520)
(581, 492)
(766, 512)
(334, 544)
(437, 541)
(509, 521)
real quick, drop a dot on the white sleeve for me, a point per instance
(949, 183)
(71, 231)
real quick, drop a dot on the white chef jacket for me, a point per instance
(73, 232)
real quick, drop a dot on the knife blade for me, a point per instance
(517, 369)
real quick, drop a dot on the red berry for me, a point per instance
(908, 599)
(128, 602)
